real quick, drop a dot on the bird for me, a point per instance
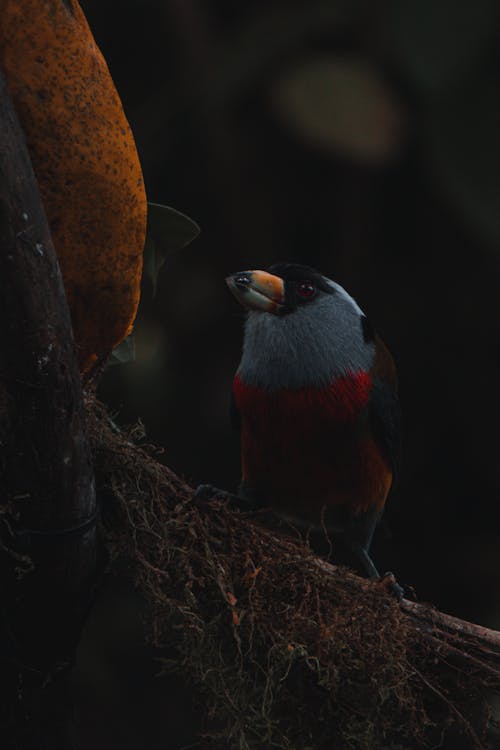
(315, 398)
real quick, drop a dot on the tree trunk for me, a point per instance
(48, 549)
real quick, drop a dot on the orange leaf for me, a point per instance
(85, 161)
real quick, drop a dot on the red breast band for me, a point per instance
(341, 401)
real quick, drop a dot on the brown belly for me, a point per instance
(315, 475)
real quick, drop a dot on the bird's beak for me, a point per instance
(258, 290)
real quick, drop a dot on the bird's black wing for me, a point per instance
(385, 420)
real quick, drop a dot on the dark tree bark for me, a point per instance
(48, 549)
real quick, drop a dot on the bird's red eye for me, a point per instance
(306, 289)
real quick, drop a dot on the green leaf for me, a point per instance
(124, 352)
(168, 230)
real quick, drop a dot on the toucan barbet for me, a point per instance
(315, 398)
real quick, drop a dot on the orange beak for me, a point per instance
(258, 290)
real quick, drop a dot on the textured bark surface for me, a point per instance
(46, 477)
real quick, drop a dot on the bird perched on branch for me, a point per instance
(315, 397)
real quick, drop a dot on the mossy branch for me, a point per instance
(284, 649)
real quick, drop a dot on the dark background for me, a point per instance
(360, 138)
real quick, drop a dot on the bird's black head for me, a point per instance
(302, 328)
(302, 284)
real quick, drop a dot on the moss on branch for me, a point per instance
(283, 649)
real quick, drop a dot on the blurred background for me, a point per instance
(360, 138)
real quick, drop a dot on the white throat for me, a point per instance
(312, 346)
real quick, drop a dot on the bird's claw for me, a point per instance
(209, 492)
(391, 586)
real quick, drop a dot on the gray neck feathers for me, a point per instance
(312, 346)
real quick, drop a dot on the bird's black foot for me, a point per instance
(209, 492)
(248, 504)
(387, 581)
(391, 586)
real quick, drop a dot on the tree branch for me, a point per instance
(429, 614)
(282, 647)
(436, 622)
